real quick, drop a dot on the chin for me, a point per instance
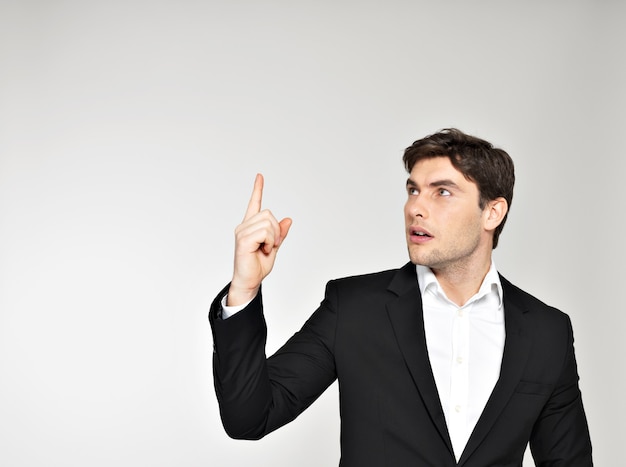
(416, 259)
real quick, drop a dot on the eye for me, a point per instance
(412, 191)
(444, 192)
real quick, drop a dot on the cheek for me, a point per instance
(462, 220)
(471, 224)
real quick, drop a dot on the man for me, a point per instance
(442, 362)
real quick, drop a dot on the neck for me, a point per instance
(462, 282)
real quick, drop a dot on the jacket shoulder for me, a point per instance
(530, 303)
(363, 279)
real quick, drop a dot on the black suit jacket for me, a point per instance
(369, 334)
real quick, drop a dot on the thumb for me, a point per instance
(284, 225)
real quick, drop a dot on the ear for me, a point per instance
(494, 213)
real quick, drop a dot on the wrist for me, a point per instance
(240, 295)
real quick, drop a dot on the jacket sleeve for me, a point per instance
(560, 436)
(256, 394)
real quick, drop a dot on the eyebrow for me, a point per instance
(437, 183)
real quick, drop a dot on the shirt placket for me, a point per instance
(459, 379)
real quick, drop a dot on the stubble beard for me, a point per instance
(444, 260)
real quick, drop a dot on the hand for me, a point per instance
(257, 240)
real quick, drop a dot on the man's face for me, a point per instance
(444, 223)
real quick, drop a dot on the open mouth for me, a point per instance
(415, 232)
(419, 235)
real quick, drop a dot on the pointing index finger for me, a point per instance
(254, 205)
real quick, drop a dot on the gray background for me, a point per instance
(130, 134)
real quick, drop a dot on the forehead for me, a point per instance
(434, 169)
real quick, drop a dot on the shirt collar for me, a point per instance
(426, 280)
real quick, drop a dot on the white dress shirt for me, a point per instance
(228, 311)
(465, 346)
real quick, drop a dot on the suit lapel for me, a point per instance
(405, 313)
(516, 349)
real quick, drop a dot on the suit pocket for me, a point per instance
(529, 387)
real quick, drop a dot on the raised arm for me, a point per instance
(257, 240)
(257, 395)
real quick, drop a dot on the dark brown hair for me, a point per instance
(490, 168)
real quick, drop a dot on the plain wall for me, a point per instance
(130, 135)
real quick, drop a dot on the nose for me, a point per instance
(416, 207)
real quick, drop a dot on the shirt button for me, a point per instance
(457, 409)
(461, 313)
(459, 360)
